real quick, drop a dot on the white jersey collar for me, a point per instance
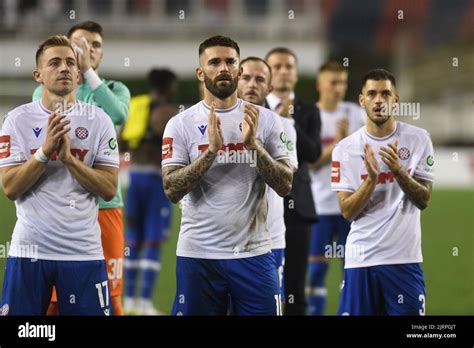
(383, 138)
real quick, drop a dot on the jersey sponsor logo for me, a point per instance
(37, 131)
(336, 171)
(167, 148)
(383, 177)
(202, 128)
(225, 147)
(112, 143)
(82, 133)
(430, 160)
(5, 146)
(283, 137)
(80, 154)
(289, 145)
(403, 153)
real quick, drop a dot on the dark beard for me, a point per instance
(378, 121)
(221, 92)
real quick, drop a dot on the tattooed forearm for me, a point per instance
(178, 181)
(417, 190)
(277, 174)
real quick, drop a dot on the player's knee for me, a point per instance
(317, 272)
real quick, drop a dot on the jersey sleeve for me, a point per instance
(424, 168)
(174, 150)
(108, 152)
(275, 142)
(341, 175)
(114, 101)
(290, 131)
(11, 153)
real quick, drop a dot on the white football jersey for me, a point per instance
(275, 218)
(325, 200)
(225, 215)
(388, 230)
(57, 215)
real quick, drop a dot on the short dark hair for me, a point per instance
(161, 79)
(91, 26)
(378, 75)
(283, 50)
(53, 41)
(258, 59)
(333, 66)
(218, 40)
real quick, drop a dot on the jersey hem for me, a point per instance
(221, 256)
(61, 257)
(383, 263)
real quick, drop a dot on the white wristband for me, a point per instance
(92, 78)
(40, 156)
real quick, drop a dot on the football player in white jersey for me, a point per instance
(328, 236)
(383, 175)
(254, 86)
(57, 156)
(218, 158)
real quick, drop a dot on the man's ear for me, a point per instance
(270, 89)
(37, 76)
(361, 100)
(200, 74)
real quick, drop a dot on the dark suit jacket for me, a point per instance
(308, 148)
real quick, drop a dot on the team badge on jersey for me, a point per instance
(336, 171)
(4, 146)
(167, 148)
(403, 153)
(81, 133)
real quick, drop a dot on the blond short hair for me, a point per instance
(53, 41)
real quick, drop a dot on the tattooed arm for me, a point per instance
(277, 174)
(178, 181)
(418, 191)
